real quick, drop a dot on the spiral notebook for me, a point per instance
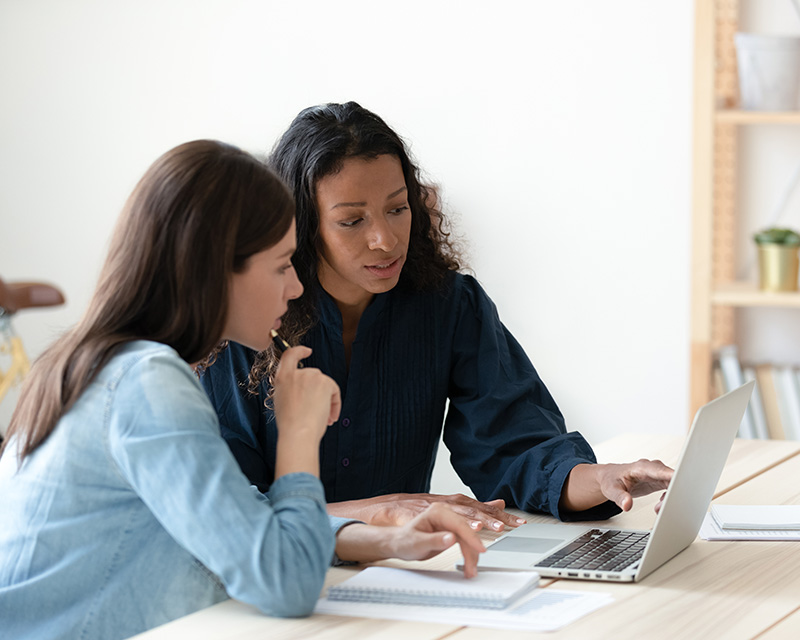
(386, 585)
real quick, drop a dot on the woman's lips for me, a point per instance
(386, 269)
(277, 324)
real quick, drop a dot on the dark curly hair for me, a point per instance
(316, 145)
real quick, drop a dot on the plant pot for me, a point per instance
(778, 267)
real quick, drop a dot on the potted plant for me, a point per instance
(778, 259)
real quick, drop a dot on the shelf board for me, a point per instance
(747, 294)
(738, 116)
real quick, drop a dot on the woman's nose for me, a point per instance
(382, 237)
(295, 288)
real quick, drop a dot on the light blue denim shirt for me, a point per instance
(134, 512)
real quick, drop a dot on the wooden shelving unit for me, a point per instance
(746, 294)
(715, 292)
(736, 116)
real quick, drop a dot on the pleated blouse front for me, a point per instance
(420, 361)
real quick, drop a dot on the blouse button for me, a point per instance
(346, 422)
(345, 462)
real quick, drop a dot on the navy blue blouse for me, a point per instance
(412, 353)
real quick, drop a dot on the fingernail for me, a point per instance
(474, 524)
(521, 521)
(497, 525)
(448, 538)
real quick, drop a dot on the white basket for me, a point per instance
(769, 71)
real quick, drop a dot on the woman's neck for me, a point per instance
(351, 316)
(351, 311)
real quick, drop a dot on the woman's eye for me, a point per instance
(350, 223)
(285, 268)
(399, 210)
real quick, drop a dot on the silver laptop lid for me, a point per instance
(696, 476)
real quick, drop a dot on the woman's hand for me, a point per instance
(624, 482)
(400, 508)
(306, 403)
(591, 484)
(437, 528)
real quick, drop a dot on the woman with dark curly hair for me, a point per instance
(390, 318)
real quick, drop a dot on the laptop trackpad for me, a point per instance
(526, 545)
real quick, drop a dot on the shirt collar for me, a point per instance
(331, 317)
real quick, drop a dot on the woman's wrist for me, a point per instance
(359, 542)
(582, 488)
(294, 455)
(370, 510)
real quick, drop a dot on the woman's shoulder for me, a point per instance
(463, 289)
(151, 363)
(453, 284)
(459, 296)
(454, 293)
(144, 350)
(150, 387)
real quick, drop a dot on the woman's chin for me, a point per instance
(382, 286)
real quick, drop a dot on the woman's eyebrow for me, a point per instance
(397, 193)
(364, 204)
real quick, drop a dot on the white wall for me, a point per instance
(560, 132)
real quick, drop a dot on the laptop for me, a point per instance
(623, 555)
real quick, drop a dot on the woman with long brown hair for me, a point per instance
(122, 508)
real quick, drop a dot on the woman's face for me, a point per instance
(259, 294)
(364, 227)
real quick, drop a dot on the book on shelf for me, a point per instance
(719, 383)
(769, 397)
(387, 585)
(732, 377)
(757, 405)
(774, 409)
(786, 384)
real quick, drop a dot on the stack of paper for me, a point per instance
(752, 522)
(760, 516)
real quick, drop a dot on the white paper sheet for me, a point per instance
(772, 517)
(541, 610)
(710, 530)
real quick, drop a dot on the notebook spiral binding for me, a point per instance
(419, 597)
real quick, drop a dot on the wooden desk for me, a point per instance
(711, 590)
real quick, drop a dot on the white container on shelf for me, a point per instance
(769, 71)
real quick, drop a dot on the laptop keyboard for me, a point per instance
(600, 551)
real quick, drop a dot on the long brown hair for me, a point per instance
(315, 145)
(200, 211)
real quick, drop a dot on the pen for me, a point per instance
(281, 345)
